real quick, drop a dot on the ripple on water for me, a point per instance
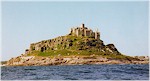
(77, 72)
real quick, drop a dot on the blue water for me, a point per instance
(76, 72)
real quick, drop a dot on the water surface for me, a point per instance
(77, 72)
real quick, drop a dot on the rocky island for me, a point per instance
(81, 46)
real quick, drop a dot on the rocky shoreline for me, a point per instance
(71, 60)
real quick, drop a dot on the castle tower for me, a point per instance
(97, 34)
(71, 30)
(77, 32)
(82, 25)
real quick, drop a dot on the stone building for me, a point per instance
(53, 44)
(84, 31)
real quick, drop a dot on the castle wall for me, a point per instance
(77, 32)
(88, 33)
(97, 35)
(84, 31)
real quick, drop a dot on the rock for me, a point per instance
(112, 48)
(142, 58)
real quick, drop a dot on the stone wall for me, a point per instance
(84, 31)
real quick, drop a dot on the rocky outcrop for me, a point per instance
(142, 58)
(74, 60)
(112, 48)
(74, 41)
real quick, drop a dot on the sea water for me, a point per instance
(77, 72)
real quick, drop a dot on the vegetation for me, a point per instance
(80, 46)
(69, 53)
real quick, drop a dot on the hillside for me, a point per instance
(71, 45)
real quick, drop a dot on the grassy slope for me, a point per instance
(72, 51)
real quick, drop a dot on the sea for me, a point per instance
(77, 72)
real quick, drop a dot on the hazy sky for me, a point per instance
(124, 24)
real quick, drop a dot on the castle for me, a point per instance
(84, 31)
(64, 41)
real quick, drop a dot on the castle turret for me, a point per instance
(82, 25)
(97, 34)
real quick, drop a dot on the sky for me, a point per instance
(125, 24)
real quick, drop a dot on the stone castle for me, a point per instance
(84, 31)
(64, 41)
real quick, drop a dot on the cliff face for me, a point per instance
(70, 42)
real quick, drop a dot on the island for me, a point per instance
(81, 46)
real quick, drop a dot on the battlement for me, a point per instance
(84, 31)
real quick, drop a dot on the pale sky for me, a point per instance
(125, 24)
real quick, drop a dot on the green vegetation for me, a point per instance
(64, 52)
(79, 46)
(68, 53)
